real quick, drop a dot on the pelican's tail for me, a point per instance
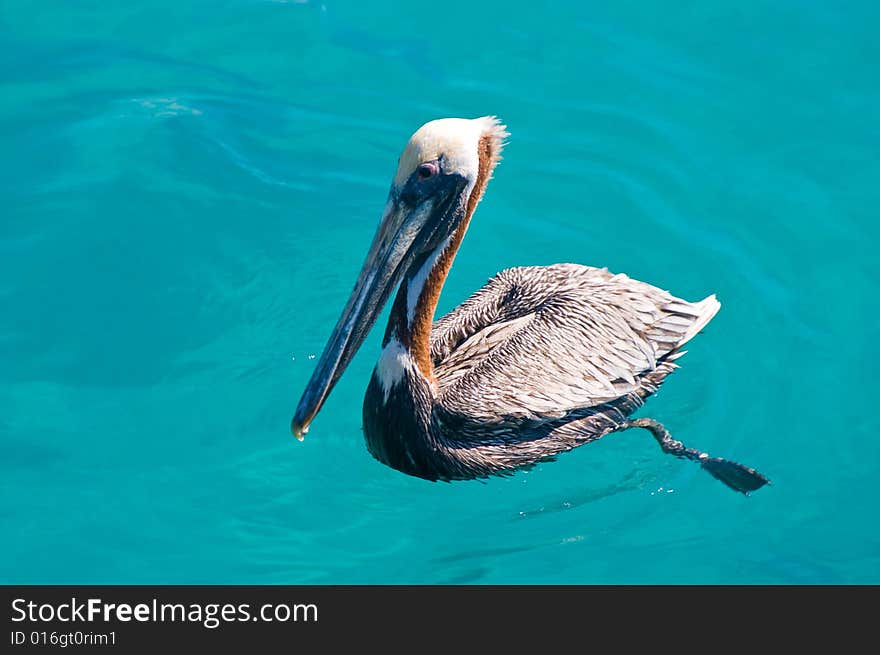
(700, 314)
(707, 308)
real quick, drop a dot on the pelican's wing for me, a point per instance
(542, 341)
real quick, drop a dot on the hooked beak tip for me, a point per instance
(298, 429)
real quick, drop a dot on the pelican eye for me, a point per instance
(426, 170)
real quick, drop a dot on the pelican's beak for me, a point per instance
(409, 227)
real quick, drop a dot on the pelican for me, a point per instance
(540, 360)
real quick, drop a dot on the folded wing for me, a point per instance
(543, 341)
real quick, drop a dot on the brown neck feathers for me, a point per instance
(423, 317)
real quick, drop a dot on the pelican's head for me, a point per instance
(449, 149)
(441, 176)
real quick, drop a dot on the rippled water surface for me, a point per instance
(188, 190)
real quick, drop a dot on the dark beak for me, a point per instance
(403, 234)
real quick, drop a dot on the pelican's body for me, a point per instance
(540, 360)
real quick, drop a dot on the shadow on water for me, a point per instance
(481, 553)
(633, 481)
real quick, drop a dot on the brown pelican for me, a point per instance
(541, 360)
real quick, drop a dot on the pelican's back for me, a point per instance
(545, 340)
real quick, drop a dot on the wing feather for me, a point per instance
(540, 341)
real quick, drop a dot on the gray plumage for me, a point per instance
(540, 360)
(542, 341)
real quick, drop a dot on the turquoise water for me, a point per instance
(188, 191)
